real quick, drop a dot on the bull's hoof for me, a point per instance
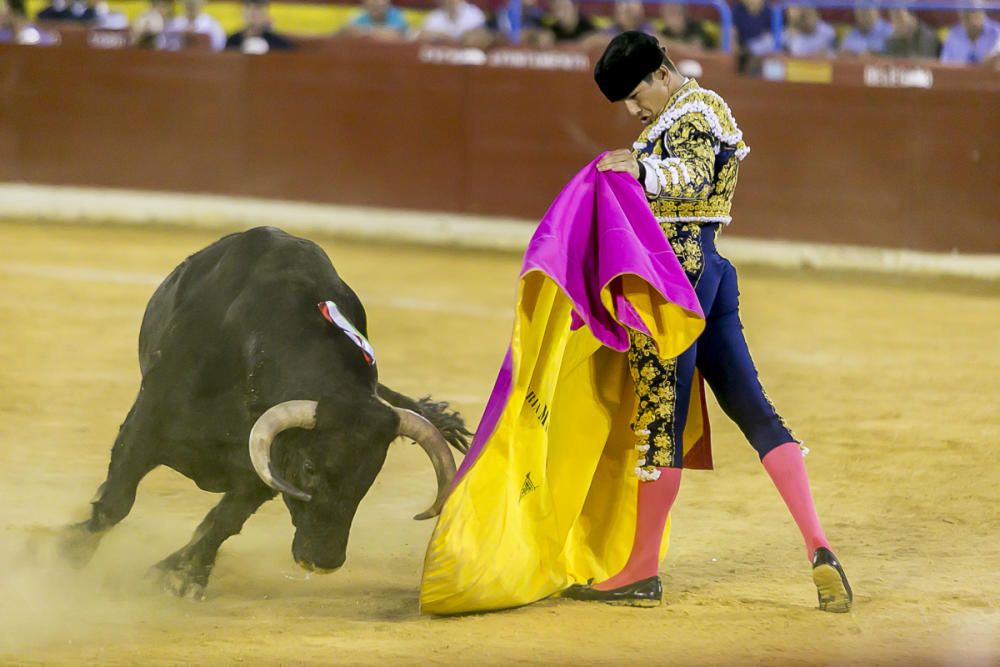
(180, 578)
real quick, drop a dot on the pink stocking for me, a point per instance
(788, 472)
(654, 503)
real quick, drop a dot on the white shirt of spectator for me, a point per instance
(109, 19)
(78, 8)
(818, 43)
(28, 36)
(469, 17)
(255, 46)
(203, 25)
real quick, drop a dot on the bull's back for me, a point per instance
(257, 276)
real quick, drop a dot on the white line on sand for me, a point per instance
(90, 274)
(93, 205)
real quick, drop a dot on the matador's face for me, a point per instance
(649, 97)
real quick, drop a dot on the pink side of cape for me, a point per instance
(598, 228)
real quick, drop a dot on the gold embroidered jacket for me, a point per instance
(691, 155)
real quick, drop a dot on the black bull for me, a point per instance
(234, 350)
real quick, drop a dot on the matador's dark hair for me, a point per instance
(630, 58)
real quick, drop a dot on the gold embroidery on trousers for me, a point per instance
(656, 387)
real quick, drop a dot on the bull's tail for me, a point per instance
(449, 422)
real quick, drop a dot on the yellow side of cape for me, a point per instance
(551, 498)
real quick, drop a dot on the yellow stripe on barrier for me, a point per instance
(293, 18)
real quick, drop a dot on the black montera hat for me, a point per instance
(629, 58)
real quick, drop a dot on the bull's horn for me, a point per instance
(426, 435)
(283, 416)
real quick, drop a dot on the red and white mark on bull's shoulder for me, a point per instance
(335, 317)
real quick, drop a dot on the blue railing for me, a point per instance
(778, 8)
(725, 18)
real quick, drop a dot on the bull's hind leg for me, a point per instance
(131, 460)
(186, 571)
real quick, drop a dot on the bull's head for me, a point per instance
(324, 477)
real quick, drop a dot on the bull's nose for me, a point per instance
(312, 567)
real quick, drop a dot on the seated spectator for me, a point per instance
(629, 15)
(195, 20)
(452, 21)
(911, 37)
(15, 28)
(868, 34)
(108, 18)
(61, 10)
(752, 22)
(807, 35)
(149, 28)
(993, 57)
(379, 20)
(257, 37)
(567, 23)
(972, 39)
(533, 31)
(499, 28)
(679, 29)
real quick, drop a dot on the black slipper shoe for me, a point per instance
(834, 592)
(642, 593)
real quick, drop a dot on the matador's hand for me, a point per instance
(620, 160)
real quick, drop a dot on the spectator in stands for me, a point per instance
(993, 57)
(379, 20)
(499, 27)
(807, 35)
(911, 37)
(61, 10)
(752, 22)
(679, 29)
(629, 15)
(257, 37)
(972, 39)
(149, 30)
(567, 23)
(195, 20)
(868, 34)
(15, 28)
(108, 18)
(533, 31)
(452, 21)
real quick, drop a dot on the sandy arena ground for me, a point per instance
(895, 385)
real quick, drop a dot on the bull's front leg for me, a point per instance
(185, 572)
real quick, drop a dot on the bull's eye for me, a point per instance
(308, 467)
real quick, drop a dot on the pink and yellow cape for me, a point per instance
(546, 495)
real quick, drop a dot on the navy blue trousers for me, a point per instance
(720, 354)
